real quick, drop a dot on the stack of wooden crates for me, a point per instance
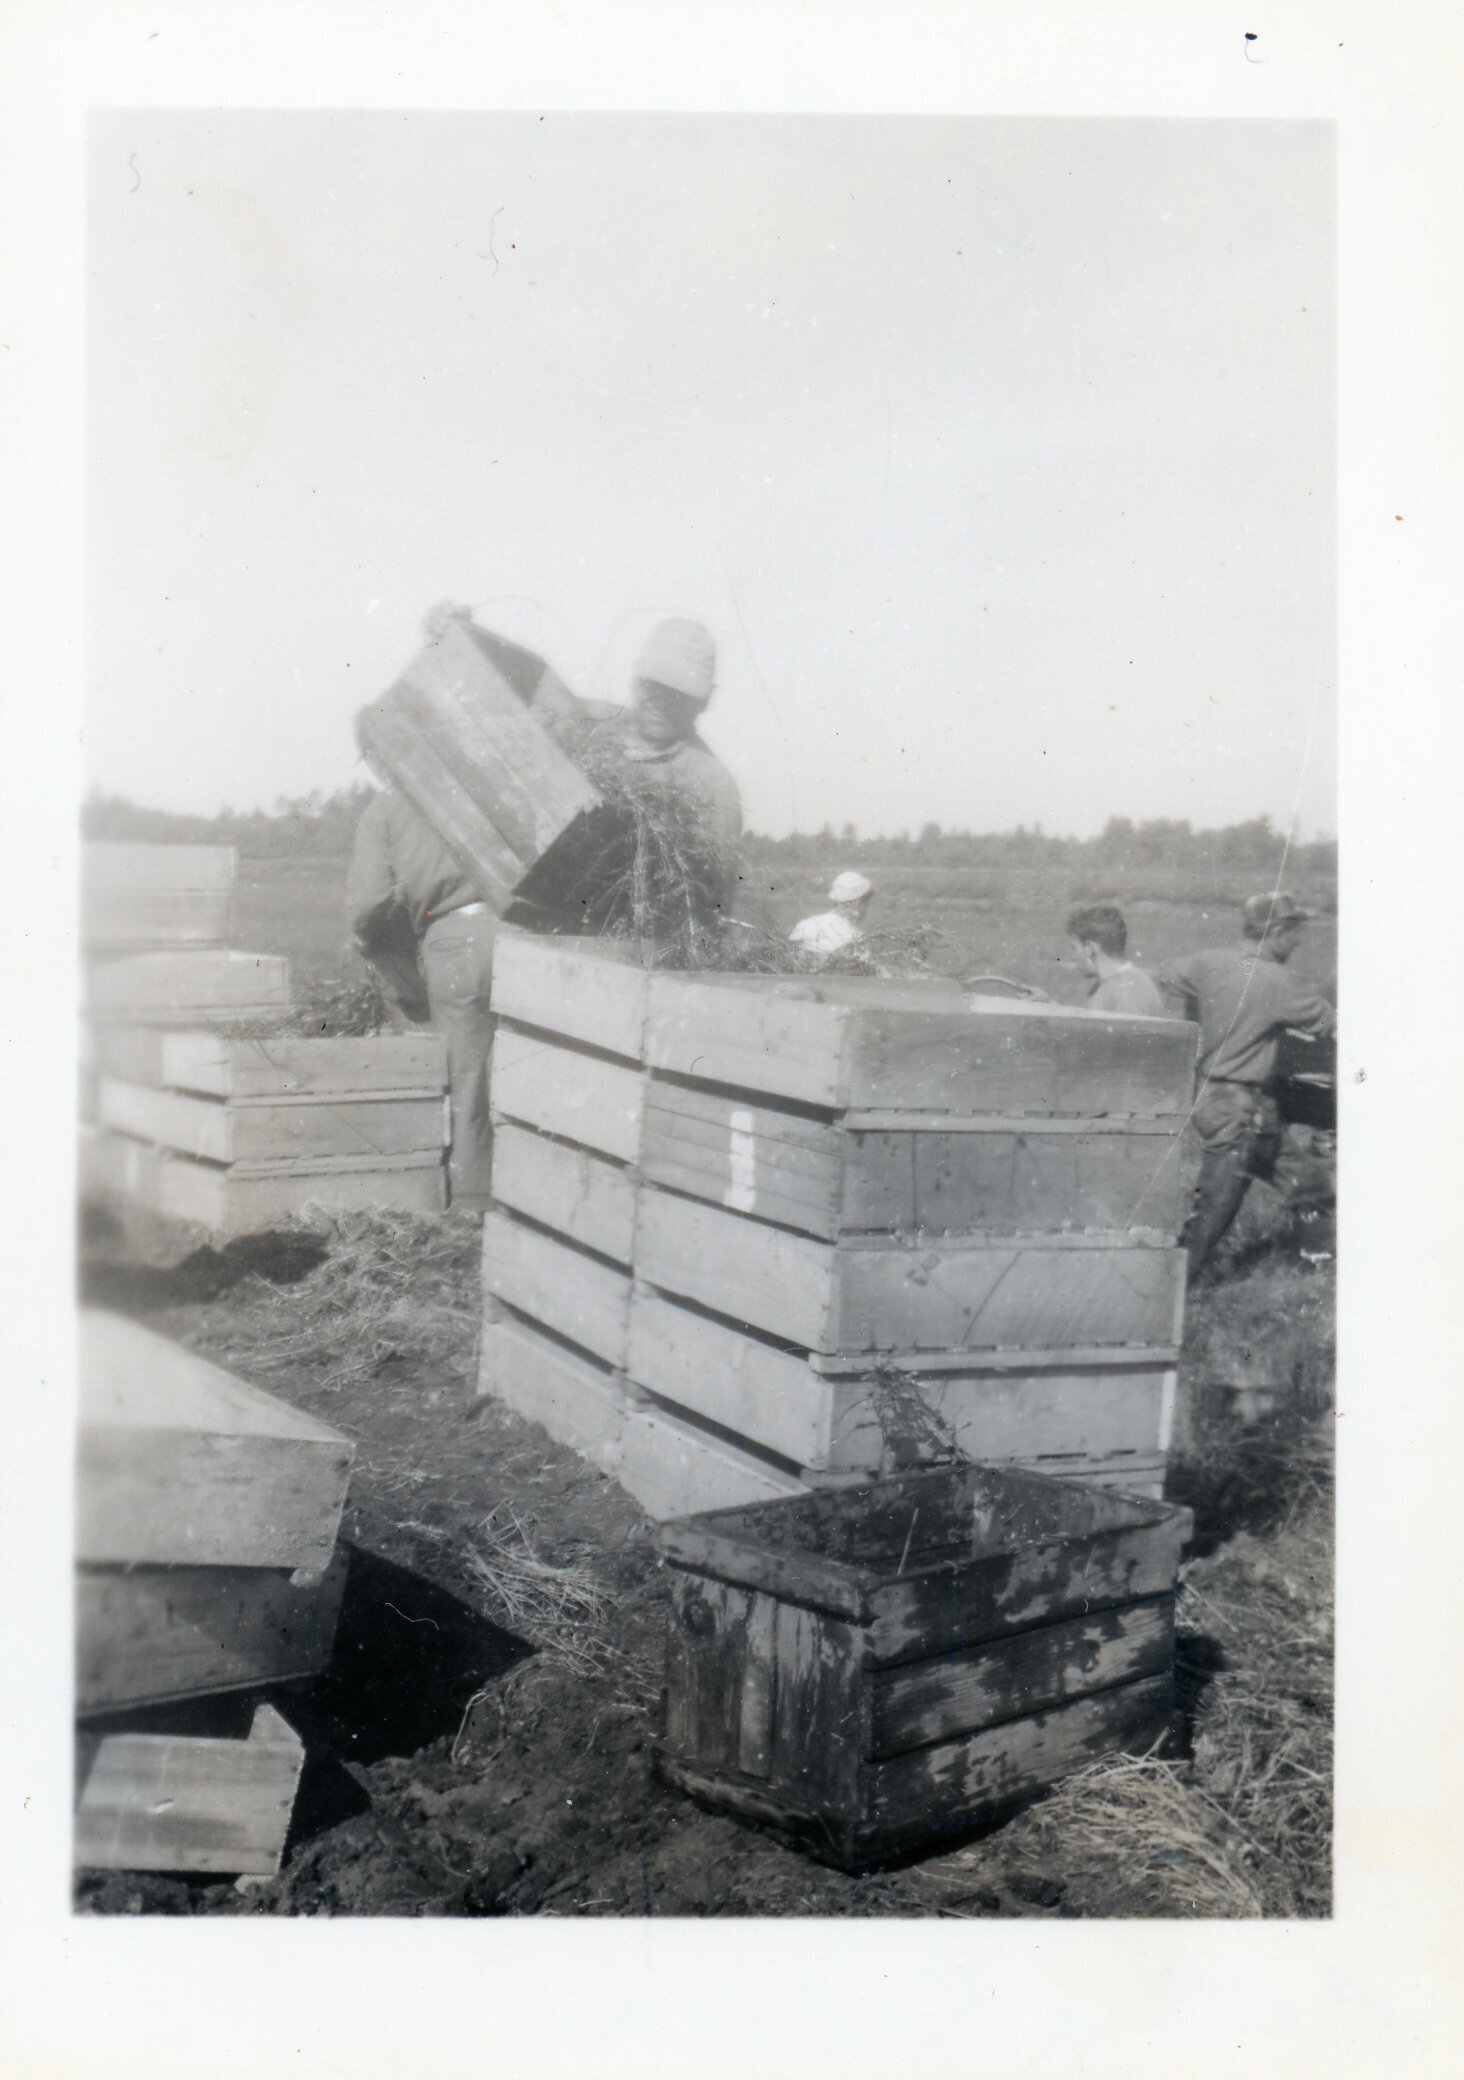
(191, 1106)
(757, 1234)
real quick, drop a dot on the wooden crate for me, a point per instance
(136, 897)
(148, 1635)
(178, 1462)
(188, 988)
(868, 1668)
(1053, 1417)
(461, 745)
(589, 1198)
(861, 1044)
(540, 1275)
(579, 1400)
(1046, 1294)
(938, 1174)
(562, 1088)
(240, 1199)
(174, 1802)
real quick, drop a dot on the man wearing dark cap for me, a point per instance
(1243, 1000)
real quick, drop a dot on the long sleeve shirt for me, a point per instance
(1128, 989)
(1243, 1001)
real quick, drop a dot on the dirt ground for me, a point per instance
(484, 1743)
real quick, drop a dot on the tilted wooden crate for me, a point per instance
(458, 741)
(872, 1668)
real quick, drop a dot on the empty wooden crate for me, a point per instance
(876, 1667)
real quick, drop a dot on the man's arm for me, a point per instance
(1305, 1011)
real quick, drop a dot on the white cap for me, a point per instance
(849, 887)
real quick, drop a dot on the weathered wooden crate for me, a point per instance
(180, 1463)
(859, 1044)
(149, 1635)
(1096, 1420)
(194, 987)
(278, 1129)
(885, 1294)
(461, 745)
(175, 1802)
(872, 1668)
(208, 1063)
(140, 897)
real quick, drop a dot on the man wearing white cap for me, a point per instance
(837, 930)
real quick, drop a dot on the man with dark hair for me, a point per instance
(1100, 934)
(1243, 1001)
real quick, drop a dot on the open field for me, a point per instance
(1009, 921)
(485, 1744)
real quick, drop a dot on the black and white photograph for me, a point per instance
(737, 764)
(709, 901)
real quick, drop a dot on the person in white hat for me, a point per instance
(837, 930)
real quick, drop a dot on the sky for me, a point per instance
(997, 453)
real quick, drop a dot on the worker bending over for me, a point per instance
(1243, 1000)
(1100, 933)
(841, 928)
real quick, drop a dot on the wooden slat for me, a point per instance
(553, 1282)
(166, 1802)
(764, 1394)
(179, 1462)
(706, 1640)
(673, 1469)
(144, 920)
(580, 990)
(740, 1268)
(579, 1402)
(184, 986)
(838, 1299)
(908, 1047)
(146, 1635)
(913, 1707)
(257, 1131)
(1029, 1416)
(235, 1202)
(751, 1158)
(286, 1066)
(819, 1735)
(563, 1090)
(461, 745)
(980, 1772)
(1013, 1059)
(1006, 1183)
(940, 1611)
(583, 1196)
(765, 1040)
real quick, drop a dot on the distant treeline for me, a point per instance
(1125, 857)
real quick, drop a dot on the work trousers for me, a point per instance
(457, 963)
(1239, 1125)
